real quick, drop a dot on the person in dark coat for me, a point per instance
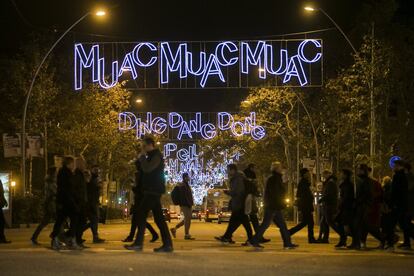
(79, 179)
(66, 205)
(409, 229)
(274, 203)
(238, 217)
(304, 200)
(329, 205)
(138, 195)
(186, 205)
(345, 214)
(399, 204)
(49, 203)
(153, 187)
(253, 189)
(3, 203)
(93, 191)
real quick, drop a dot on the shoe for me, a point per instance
(34, 241)
(98, 240)
(73, 245)
(404, 246)
(354, 247)
(246, 243)
(173, 232)
(389, 248)
(128, 239)
(55, 244)
(154, 238)
(188, 237)
(164, 249)
(5, 241)
(364, 246)
(312, 240)
(322, 241)
(340, 244)
(224, 240)
(291, 246)
(264, 240)
(134, 247)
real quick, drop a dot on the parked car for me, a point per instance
(211, 214)
(224, 215)
(196, 214)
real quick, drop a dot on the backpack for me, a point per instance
(176, 195)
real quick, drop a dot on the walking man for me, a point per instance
(273, 205)
(49, 203)
(186, 204)
(304, 199)
(237, 192)
(3, 203)
(153, 186)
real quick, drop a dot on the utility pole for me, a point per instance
(372, 116)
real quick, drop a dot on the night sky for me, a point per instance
(156, 20)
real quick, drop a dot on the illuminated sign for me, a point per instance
(204, 174)
(392, 160)
(232, 64)
(176, 126)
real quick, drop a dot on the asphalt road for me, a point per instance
(204, 256)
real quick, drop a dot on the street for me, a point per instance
(204, 256)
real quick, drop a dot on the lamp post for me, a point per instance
(99, 13)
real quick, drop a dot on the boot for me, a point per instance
(73, 245)
(56, 244)
(97, 239)
(164, 249)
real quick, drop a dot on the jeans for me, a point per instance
(152, 203)
(62, 213)
(186, 221)
(307, 220)
(399, 217)
(255, 222)
(236, 219)
(328, 220)
(47, 216)
(277, 217)
(134, 226)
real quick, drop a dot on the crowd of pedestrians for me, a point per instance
(352, 206)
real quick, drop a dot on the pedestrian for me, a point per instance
(409, 232)
(386, 211)
(66, 205)
(304, 201)
(3, 203)
(237, 192)
(373, 220)
(80, 177)
(93, 191)
(49, 203)
(153, 187)
(253, 193)
(399, 206)
(329, 207)
(186, 205)
(138, 195)
(274, 203)
(345, 214)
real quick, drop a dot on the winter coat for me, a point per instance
(329, 196)
(274, 193)
(49, 203)
(346, 202)
(3, 201)
(79, 188)
(250, 174)
(237, 192)
(186, 195)
(410, 195)
(374, 211)
(93, 190)
(304, 196)
(364, 192)
(153, 179)
(399, 191)
(65, 191)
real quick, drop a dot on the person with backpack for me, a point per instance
(186, 202)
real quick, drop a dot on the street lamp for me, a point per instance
(99, 13)
(139, 101)
(312, 9)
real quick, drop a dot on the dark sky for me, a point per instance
(172, 20)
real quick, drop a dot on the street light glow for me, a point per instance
(13, 183)
(138, 101)
(100, 13)
(308, 8)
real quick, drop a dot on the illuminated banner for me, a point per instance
(190, 126)
(227, 64)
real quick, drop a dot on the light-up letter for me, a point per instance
(230, 47)
(168, 148)
(258, 132)
(269, 61)
(114, 74)
(301, 53)
(184, 130)
(208, 131)
(195, 125)
(126, 121)
(175, 120)
(159, 125)
(212, 68)
(83, 60)
(137, 59)
(172, 63)
(128, 65)
(295, 69)
(255, 58)
(201, 68)
(183, 155)
(224, 120)
(234, 129)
